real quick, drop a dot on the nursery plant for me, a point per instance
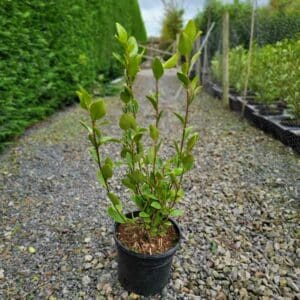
(155, 182)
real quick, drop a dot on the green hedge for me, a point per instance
(48, 48)
(275, 72)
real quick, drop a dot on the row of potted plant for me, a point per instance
(274, 77)
(147, 238)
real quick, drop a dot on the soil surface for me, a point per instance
(136, 238)
(240, 228)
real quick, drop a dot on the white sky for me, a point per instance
(152, 12)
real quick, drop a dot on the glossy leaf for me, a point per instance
(152, 99)
(154, 133)
(156, 205)
(85, 98)
(97, 110)
(106, 171)
(187, 161)
(157, 68)
(132, 46)
(180, 118)
(127, 121)
(184, 79)
(176, 213)
(114, 199)
(172, 61)
(143, 214)
(122, 33)
(115, 215)
(191, 30)
(185, 44)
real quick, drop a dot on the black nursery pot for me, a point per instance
(144, 274)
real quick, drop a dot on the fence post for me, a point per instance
(249, 60)
(198, 62)
(225, 58)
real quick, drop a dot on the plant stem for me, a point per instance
(100, 167)
(156, 124)
(181, 146)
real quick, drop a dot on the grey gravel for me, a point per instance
(241, 228)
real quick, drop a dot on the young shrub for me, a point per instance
(155, 183)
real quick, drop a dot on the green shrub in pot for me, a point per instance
(155, 183)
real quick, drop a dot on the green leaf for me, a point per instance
(184, 79)
(109, 162)
(176, 213)
(97, 110)
(156, 205)
(194, 59)
(168, 223)
(176, 147)
(115, 215)
(188, 161)
(191, 30)
(108, 139)
(192, 141)
(154, 133)
(127, 121)
(178, 171)
(122, 33)
(185, 45)
(171, 62)
(137, 177)
(106, 172)
(157, 68)
(152, 99)
(90, 130)
(114, 199)
(143, 214)
(180, 118)
(118, 58)
(194, 82)
(185, 68)
(188, 131)
(160, 115)
(85, 98)
(125, 95)
(133, 66)
(127, 182)
(132, 46)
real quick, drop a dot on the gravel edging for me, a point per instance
(241, 230)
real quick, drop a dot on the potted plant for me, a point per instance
(147, 238)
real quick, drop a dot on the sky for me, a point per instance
(152, 12)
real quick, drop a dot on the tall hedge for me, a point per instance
(48, 48)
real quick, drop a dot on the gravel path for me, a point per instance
(241, 228)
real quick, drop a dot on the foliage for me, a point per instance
(172, 23)
(275, 72)
(272, 24)
(50, 47)
(155, 182)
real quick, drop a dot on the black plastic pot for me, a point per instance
(144, 274)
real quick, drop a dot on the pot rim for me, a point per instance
(170, 252)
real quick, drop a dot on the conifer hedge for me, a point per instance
(48, 48)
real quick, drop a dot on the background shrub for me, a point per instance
(277, 21)
(275, 72)
(48, 48)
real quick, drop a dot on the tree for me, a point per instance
(172, 22)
